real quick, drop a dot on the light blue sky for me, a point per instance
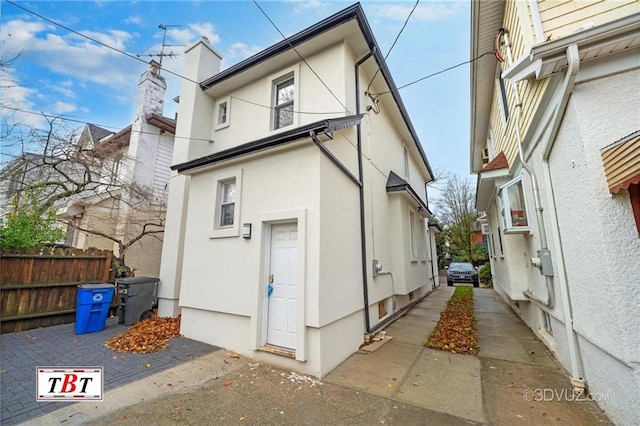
(61, 73)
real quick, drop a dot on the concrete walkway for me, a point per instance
(401, 382)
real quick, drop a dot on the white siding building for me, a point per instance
(555, 144)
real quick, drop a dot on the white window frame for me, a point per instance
(233, 230)
(281, 76)
(509, 226)
(414, 232)
(222, 124)
(407, 167)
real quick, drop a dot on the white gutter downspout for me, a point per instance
(573, 59)
(549, 302)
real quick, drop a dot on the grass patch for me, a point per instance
(456, 331)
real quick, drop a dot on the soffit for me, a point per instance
(486, 18)
(349, 31)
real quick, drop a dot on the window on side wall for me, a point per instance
(222, 112)
(415, 235)
(227, 203)
(227, 213)
(514, 207)
(283, 97)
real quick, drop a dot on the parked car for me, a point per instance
(462, 272)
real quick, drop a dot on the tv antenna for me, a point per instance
(164, 38)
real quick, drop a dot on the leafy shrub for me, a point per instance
(485, 275)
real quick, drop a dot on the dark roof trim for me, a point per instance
(345, 15)
(324, 126)
(352, 12)
(396, 184)
(161, 122)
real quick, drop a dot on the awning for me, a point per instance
(621, 162)
(498, 168)
(396, 184)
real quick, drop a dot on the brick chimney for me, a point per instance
(151, 89)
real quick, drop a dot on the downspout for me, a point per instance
(573, 59)
(363, 237)
(549, 301)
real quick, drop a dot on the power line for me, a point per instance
(406, 21)
(437, 73)
(302, 58)
(104, 126)
(166, 70)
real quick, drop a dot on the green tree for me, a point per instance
(457, 211)
(30, 224)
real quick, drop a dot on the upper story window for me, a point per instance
(222, 113)
(514, 207)
(405, 153)
(284, 92)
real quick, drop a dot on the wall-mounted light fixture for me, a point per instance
(246, 230)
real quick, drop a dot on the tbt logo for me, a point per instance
(66, 383)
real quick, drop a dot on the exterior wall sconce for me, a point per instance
(246, 230)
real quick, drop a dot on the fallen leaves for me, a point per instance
(456, 330)
(147, 336)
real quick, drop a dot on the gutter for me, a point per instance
(363, 237)
(573, 59)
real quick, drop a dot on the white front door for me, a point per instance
(281, 290)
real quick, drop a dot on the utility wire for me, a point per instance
(104, 126)
(301, 57)
(166, 70)
(406, 21)
(437, 73)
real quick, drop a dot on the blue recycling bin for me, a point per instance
(93, 306)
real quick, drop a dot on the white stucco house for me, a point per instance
(297, 217)
(556, 147)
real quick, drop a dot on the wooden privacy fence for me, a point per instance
(38, 287)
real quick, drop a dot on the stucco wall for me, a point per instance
(601, 244)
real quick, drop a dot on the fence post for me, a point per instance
(107, 266)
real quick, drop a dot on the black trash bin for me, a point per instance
(137, 298)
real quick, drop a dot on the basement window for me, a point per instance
(514, 207)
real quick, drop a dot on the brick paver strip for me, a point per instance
(59, 346)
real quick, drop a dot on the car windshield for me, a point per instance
(461, 266)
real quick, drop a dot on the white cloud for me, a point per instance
(240, 51)
(192, 33)
(429, 12)
(302, 6)
(60, 107)
(133, 20)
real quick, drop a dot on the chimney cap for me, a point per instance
(155, 66)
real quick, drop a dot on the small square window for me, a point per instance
(283, 103)
(222, 113)
(514, 208)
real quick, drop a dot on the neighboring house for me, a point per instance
(297, 218)
(118, 182)
(134, 169)
(555, 144)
